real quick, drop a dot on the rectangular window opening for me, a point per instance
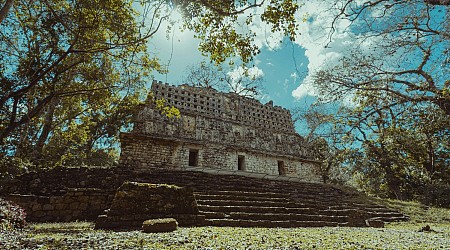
(241, 162)
(193, 157)
(281, 168)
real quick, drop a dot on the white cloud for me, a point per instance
(314, 38)
(240, 72)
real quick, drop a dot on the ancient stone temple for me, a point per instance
(216, 130)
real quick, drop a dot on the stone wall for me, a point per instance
(65, 194)
(147, 152)
(75, 204)
(217, 129)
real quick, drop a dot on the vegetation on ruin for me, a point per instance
(405, 235)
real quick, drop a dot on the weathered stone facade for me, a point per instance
(216, 130)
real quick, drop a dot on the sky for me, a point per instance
(287, 67)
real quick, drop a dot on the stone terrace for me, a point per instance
(239, 200)
(232, 199)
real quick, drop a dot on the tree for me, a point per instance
(403, 52)
(325, 141)
(396, 75)
(395, 150)
(218, 24)
(205, 75)
(72, 71)
(240, 80)
(67, 66)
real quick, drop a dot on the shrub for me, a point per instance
(436, 195)
(13, 166)
(11, 215)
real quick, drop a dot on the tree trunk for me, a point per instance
(5, 10)
(438, 2)
(4, 133)
(46, 129)
(393, 183)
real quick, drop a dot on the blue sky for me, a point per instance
(287, 67)
(281, 76)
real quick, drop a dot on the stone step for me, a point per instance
(228, 209)
(245, 193)
(392, 219)
(256, 209)
(338, 212)
(269, 223)
(200, 196)
(246, 185)
(213, 215)
(385, 214)
(250, 203)
(286, 217)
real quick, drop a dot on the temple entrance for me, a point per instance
(193, 157)
(241, 162)
(281, 168)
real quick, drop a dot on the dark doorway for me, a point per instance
(193, 157)
(241, 162)
(281, 169)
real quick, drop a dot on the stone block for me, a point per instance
(159, 225)
(36, 207)
(132, 205)
(83, 206)
(74, 205)
(374, 222)
(132, 198)
(60, 206)
(48, 207)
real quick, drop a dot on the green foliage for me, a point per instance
(13, 166)
(72, 73)
(395, 131)
(435, 195)
(215, 24)
(166, 110)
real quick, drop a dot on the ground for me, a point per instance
(405, 235)
(81, 235)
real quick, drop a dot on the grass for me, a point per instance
(405, 235)
(418, 213)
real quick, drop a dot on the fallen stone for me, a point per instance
(160, 225)
(375, 223)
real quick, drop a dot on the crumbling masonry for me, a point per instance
(216, 130)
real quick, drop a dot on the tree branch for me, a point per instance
(5, 9)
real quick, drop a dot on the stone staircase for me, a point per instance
(224, 198)
(237, 200)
